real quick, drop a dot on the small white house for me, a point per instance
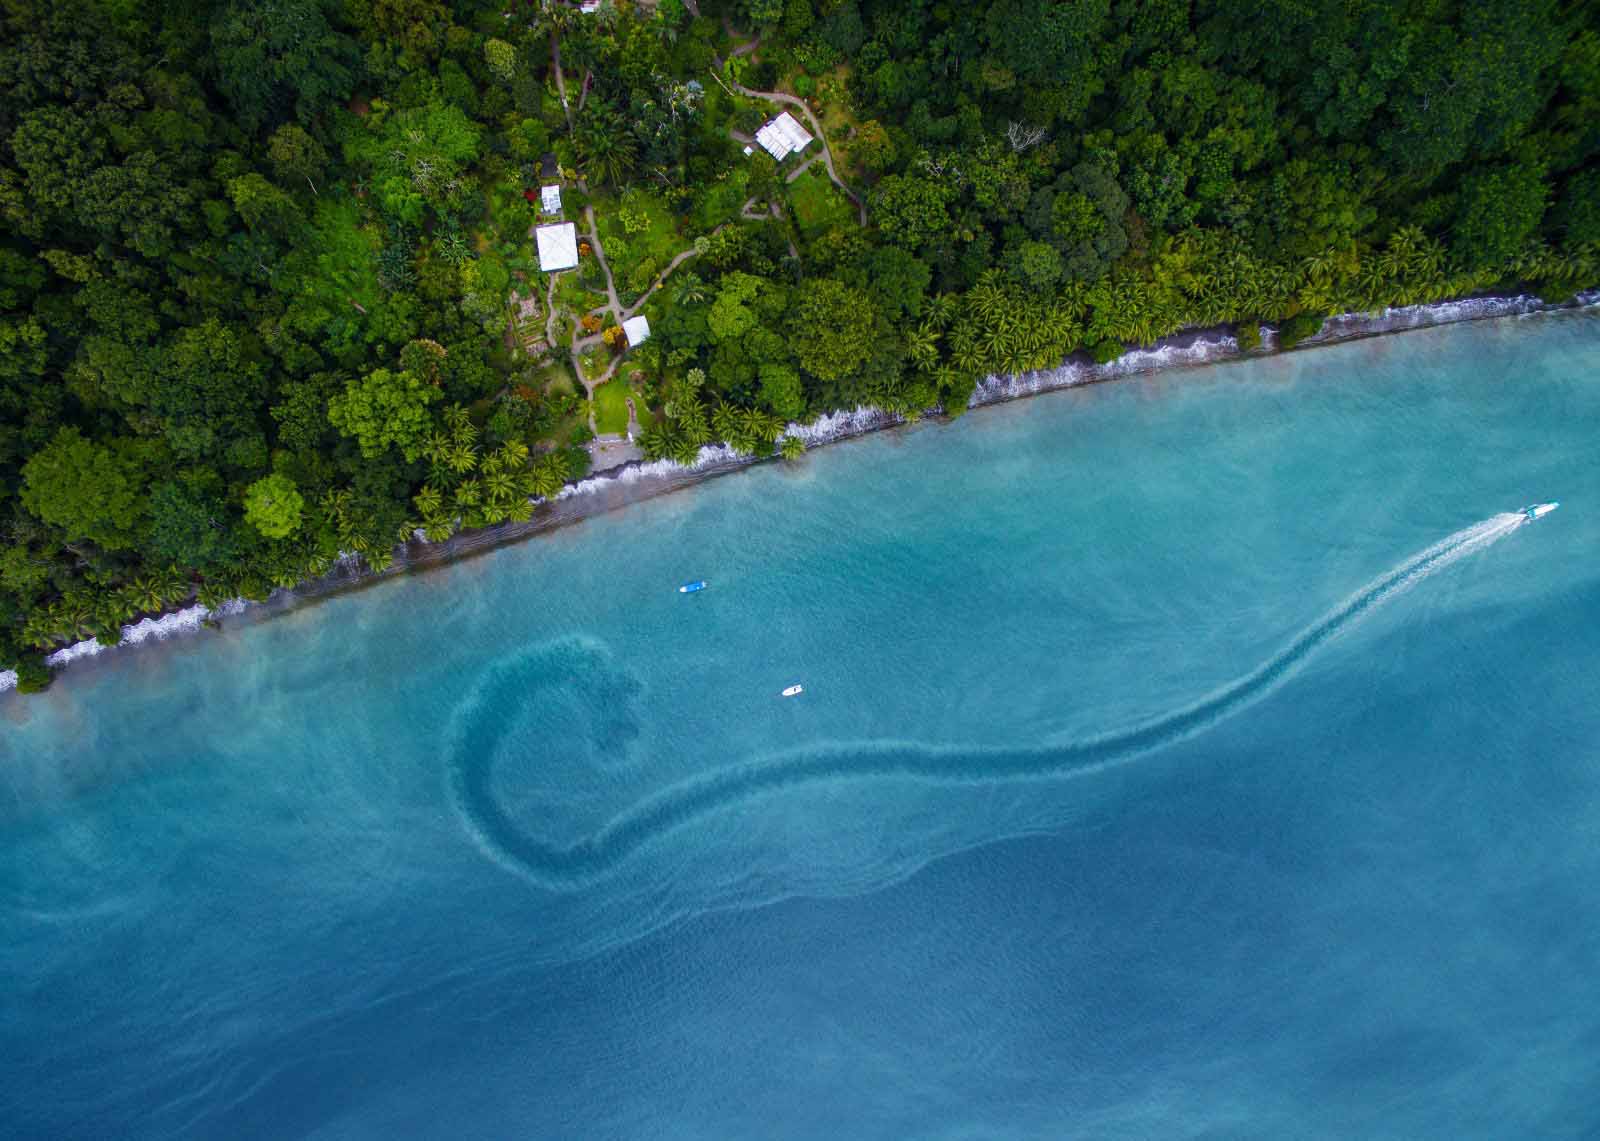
(783, 136)
(558, 246)
(637, 330)
(550, 199)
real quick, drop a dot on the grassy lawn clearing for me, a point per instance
(611, 407)
(557, 379)
(817, 204)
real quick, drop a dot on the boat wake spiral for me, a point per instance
(480, 733)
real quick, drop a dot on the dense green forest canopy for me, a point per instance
(268, 294)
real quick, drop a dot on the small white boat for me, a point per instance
(794, 691)
(1539, 510)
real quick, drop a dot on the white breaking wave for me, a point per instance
(1200, 349)
(716, 457)
(185, 621)
(1191, 349)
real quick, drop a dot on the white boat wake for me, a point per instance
(481, 729)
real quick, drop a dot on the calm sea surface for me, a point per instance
(1204, 755)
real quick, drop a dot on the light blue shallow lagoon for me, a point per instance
(1201, 755)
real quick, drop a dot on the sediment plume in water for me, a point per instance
(480, 730)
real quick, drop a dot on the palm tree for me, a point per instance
(549, 474)
(145, 594)
(513, 453)
(1317, 269)
(461, 457)
(459, 421)
(110, 612)
(761, 426)
(922, 347)
(214, 594)
(727, 425)
(521, 510)
(792, 448)
(691, 419)
(175, 585)
(939, 311)
(429, 502)
(685, 451)
(556, 16)
(72, 618)
(990, 300)
(659, 440)
(688, 289)
(605, 148)
(40, 630)
(501, 485)
(285, 575)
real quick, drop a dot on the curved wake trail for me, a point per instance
(589, 859)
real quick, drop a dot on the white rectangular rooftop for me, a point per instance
(637, 330)
(550, 199)
(558, 246)
(783, 136)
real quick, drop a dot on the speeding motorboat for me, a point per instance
(794, 691)
(1539, 510)
(691, 587)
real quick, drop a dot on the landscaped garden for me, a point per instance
(640, 237)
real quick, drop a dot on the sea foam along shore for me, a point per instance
(645, 480)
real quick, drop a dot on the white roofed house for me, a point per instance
(550, 199)
(558, 246)
(637, 330)
(783, 136)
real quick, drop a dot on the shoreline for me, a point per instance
(615, 488)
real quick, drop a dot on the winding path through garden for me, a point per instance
(748, 47)
(614, 308)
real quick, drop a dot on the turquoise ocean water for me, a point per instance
(1201, 755)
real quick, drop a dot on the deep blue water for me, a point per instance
(1193, 756)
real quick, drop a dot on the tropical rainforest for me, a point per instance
(270, 296)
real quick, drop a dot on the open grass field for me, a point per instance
(817, 203)
(611, 407)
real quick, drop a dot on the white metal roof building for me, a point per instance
(783, 136)
(558, 246)
(550, 199)
(637, 330)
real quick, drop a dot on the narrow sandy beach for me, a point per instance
(637, 481)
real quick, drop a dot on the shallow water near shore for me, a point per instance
(1197, 755)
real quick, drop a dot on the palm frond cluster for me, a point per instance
(688, 425)
(1201, 278)
(467, 488)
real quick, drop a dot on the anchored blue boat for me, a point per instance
(691, 587)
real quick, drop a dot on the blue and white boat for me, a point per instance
(691, 587)
(1539, 510)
